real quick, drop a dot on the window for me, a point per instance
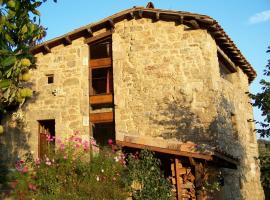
(101, 49)
(102, 81)
(50, 78)
(101, 67)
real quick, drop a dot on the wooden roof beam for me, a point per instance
(67, 40)
(140, 14)
(192, 23)
(157, 17)
(98, 37)
(111, 23)
(89, 31)
(47, 49)
(131, 15)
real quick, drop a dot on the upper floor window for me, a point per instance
(101, 67)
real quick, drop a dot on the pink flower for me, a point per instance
(110, 141)
(48, 163)
(37, 161)
(13, 184)
(65, 157)
(93, 141)
(32, 187)
(58, 141)
(62, 147)
(77, 139)
(25, 170)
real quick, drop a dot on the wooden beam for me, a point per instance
(47, 49)
(140, 13)
(89, 31)
(67, 40)
(111, 23)
(101, 117)
(230, 64)
(193, 23)
(98, 37)
(131, 15)
(181, 19)
(101, 99)
(178, 165)
(157, 16)
(100, 63)
(166, 151)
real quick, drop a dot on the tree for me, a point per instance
(262, 101)
(20, 30)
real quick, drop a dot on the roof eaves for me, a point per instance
(187, 18)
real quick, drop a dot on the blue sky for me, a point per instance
(247, 22)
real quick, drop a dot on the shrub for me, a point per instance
(144, 178)
(68, 173)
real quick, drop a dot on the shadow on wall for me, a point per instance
(13, 143)
(178, 121)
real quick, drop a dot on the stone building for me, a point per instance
(170, 81)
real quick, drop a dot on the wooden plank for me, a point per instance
(178, 165)
(163, 150)
(100, 63)
(98, 37)
(101, 117)
(101, 99)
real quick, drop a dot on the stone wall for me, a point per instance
(66, 100)
(168, 88)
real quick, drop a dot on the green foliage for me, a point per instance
(68, 174)
(145, 178)
(262, 101)
(19, 31)
(265, 169)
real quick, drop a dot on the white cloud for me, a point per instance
(260, 17)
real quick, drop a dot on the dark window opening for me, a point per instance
(46, 132)
(102, 132)
(102, 49)
(50, 78)
(102, 81)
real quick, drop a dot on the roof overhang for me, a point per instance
(194, 21)
(189, 149)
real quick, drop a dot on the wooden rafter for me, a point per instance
(67, 40)
(98, 37)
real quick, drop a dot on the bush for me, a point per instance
(144, 178)
(68, 174)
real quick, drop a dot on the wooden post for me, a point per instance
(178, 165)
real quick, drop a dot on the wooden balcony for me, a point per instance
(100, 63)
(101, 99)
(101, 117)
